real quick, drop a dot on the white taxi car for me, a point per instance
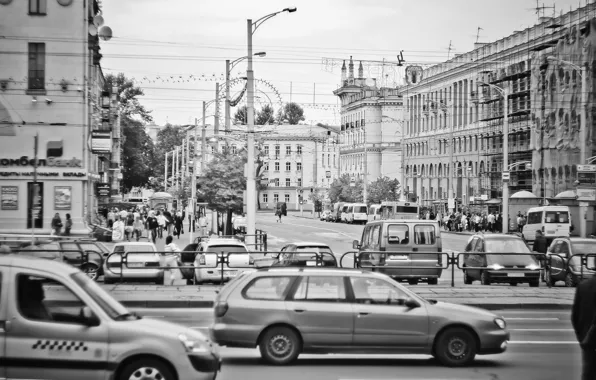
(58, 324)
(142, 263)
(208, 267)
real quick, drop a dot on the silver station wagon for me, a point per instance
(288, 311)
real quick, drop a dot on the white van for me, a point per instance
(553, 221)
(359, 213)
(374, 213)
(345, 212)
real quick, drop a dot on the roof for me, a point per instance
(523, 194)
(36, 263)
(319, 269)
(308, 243)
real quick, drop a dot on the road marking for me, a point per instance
(542, 342)
(540, 329)
(320, 228)
(532, 319)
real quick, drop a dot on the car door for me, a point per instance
(320, 309)
(72, 254)
(477, 260)
(4, 324)
(382, 319)
(558, 261)
(47, 338)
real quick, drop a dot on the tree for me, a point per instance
(138, 153)
(167, 138)
(341, 191)
(240, 115)
(223, 185)
(291, 113)
(266, 115)
(383, 189)
(317, 196)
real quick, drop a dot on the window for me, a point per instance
(288, 150)
(277, 183)
(328, 160)
(299, 166)
(321, 288)
(272, 288)
(534, 217)
(71, 252)
(424, 234)
(398, 234)
(334, 160)
(556, 217)
(37, 55)
(299, 149)
(266, 166)
(323, 159)
(31, 291)
(288, 166)
(299, 182)
(276, 166)
(288, 182)
(234, 149)
(375, 234)
(277, 151)
(275, 198)
(37, 7)
(287, 198)
(377, 292)
(266, 150)
(265, 197)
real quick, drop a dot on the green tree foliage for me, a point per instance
(138, 153)
(291, 113)
(240, 115)
(266, 115)
(224, 182)
(167, 139)
(341, 191)
(383, 189)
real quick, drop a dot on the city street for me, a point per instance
(542, 346)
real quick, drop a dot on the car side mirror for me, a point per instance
(411, 303)
(88, 318)
(356, 244)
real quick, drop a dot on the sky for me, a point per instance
(176, 49)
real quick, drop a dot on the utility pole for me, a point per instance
(203, 162)
(583, 206)
(193, 181)
(33, 202)
(165, 175)
(365, 182)
(227, 104)
(216, 121)
(251, 209)
(505, 221)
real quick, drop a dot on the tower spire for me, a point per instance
(360, 70)
(343, 73)
(351, 69)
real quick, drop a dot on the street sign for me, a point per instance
(586, 168)
(586, 194)
(586, 178)
(506, 176)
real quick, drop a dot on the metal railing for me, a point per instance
(82, 261)
(260, 243)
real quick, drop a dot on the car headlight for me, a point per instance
(495, 266)
(193, 346)
(501, 323)
(532, 267)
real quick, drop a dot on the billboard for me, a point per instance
(101, 142)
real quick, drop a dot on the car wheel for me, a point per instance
(534, 284)
(455, 347)
(433, 281)
(485, 278)
(548, 278)
(91, 270)
(146, 369)
(413, 282)
(513, 283)
(570, 280)
(279, 346)
(189, 282)
(467, 279)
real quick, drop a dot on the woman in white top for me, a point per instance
(118, 230)
(172, 259)
(161, 220)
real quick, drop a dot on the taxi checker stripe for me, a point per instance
(58, 364)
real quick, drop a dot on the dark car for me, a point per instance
(305, 254)
(497, 263)
(71, 252)
(564, 267)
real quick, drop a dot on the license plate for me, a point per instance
(398, 257)
(230, 273)
(516, 275)
(311, 263)
(136, 265)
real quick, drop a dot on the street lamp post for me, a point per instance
(251, 202)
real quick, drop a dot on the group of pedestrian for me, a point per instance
(472, 222)
(57, 225)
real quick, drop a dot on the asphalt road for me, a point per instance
(542, 347)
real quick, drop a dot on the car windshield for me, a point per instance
(506, 246)
(112, 308)
(133, 248)
(231, 249)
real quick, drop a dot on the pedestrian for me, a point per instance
(111, 217)
(172, 259)
(169, 220)
(202, 225)
(67, 225)
(152, 226)
(137, 228)
(540, 244)
(178, 223)
(162, 221)
(191, 215)
(583, 319)
(56, 225)
(118, 229)
(129, 226)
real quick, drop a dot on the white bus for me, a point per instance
(400, 210)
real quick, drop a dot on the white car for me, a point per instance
(207, 266)
(143, 263)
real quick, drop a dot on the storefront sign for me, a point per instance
(9, 197)
(50, 161)
(103, 189)
(586, 194)
(43, 174)
(101, 142)
(62, 197)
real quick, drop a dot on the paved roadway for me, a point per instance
(542, 347)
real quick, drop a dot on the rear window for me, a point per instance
(425, 234)
(232, 249)
(556, 217)
(133, 248)
(397, 234)
(406, 209)
(360, 209)
(273, 288)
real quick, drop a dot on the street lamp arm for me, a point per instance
(260, 21)
(515, 164)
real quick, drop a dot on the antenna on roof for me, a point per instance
(478, 33)
(451, 47)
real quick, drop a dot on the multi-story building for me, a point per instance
(51, 91)
(454, 121)
(371, 127)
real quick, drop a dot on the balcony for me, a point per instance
(474, 97)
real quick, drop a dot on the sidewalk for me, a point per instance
(487, 297)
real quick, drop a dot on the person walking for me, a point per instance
(152, 226)
(137, 228)
(118, 230)
(583, 319)
(129, 228)
(67, 225)
(56, 225)
(162, 221)
(203, 225)
(540, 244)
(178, 223)
(172, 259)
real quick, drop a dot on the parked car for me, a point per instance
(65, 326)
(239, 224)
(288, 311)
(496, 267)
(564, 267)
(303, 254)
(206, 264)
(326, 216)
(143, 263)
(70, 252)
